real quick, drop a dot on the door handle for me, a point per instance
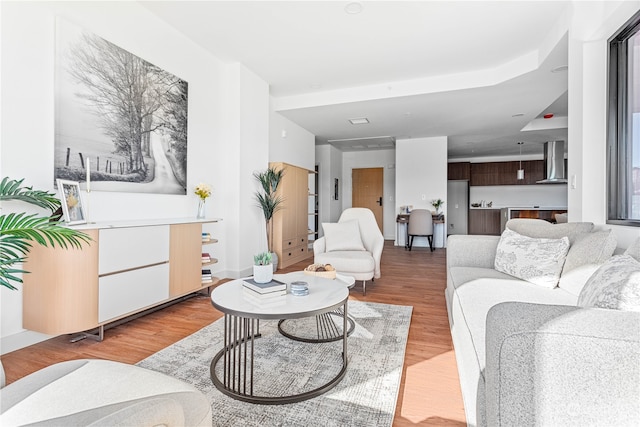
(379, 201)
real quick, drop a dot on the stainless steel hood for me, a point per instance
(554, 164)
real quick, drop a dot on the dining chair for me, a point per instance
(421, 225)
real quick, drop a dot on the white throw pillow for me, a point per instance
(536, 260)
(615, 285)
(342, 236)
(590, 248)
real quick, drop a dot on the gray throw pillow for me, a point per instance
(634, 249)
(615, 285)
(590, 248)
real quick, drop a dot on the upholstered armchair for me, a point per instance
(353, 245)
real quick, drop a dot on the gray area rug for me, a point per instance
(365, 397)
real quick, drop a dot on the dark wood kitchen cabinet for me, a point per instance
(484, 221)
(505, 173)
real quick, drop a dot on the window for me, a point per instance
(623, 131)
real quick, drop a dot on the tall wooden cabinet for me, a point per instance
(127, 268)
(290, 223)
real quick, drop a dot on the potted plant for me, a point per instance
(262, 269)
(18, 231)
(437, 203)
(269, 202)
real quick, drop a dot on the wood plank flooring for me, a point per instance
(429, 392)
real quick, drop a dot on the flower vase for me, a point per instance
(201, 208)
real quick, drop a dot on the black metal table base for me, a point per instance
(238, 356)
(326, 328)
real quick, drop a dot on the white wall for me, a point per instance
(372, 159)
(550, 195)
(228, 124)
(290, 143)
(421, 176)
(591, 25)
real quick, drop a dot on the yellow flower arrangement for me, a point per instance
(203, 190)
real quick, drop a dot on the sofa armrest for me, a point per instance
(471, 251)
(562, 365)
(319, 246)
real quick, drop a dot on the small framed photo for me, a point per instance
(72, 208)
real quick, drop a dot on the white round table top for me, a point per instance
(324, 295)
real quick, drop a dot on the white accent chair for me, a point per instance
(363, 264)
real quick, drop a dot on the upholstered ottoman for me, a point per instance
(102, 393)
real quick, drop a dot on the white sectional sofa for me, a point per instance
(528, 354)
(101, 393)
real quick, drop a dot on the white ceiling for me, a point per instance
(413, 68)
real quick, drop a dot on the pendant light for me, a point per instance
(520, 175)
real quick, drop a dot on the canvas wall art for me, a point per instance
(124, 114)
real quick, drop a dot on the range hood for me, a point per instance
(554, 164)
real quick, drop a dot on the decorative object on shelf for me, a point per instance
(476, 205)
(19, 230)
(269, 203)
(203, 191)
(520, 174)
(437, 203)
(262, 269)
(72, 207)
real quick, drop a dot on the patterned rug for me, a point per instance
(366, 396)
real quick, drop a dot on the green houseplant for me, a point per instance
(437, 203)
(269, 202)
(18, 231)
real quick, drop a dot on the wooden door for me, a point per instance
(366, 191)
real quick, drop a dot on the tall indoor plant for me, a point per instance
(18, 231)
(269, 202)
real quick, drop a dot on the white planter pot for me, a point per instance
(262, 273)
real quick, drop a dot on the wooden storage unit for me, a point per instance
(459, 171)
(127, 268)
(505, 173)
(484, 221)
(290, 223)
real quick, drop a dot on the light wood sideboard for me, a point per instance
(128, 267)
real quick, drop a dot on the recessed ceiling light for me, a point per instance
(518, 115)
(359, 121)
(560, 69)
(353, 8)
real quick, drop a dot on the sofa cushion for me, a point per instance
(615, 285)
(342, 236)
(462, 275)
(536, 260)
(574, 280)
(590, 248)
(541, 228)
(634, 249)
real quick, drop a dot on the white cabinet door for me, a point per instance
(132, 247)
(130, 291)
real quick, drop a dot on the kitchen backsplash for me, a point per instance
(553, 195)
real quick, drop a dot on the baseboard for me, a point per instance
(21, 340)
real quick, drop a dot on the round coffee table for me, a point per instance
(242, 326)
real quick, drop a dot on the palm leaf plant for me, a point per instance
(18, 231)
(267, 199)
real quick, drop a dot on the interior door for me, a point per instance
(366, 191)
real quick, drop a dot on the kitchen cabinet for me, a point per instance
(484, 221)
(458, 171)
(505, 173)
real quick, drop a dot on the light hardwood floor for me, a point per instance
(429, 392)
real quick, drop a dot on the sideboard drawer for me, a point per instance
(132, 247)
(130, 291)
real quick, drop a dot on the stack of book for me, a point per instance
(206, 237)
(206, 276)
(206, 258)
(270, 292)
